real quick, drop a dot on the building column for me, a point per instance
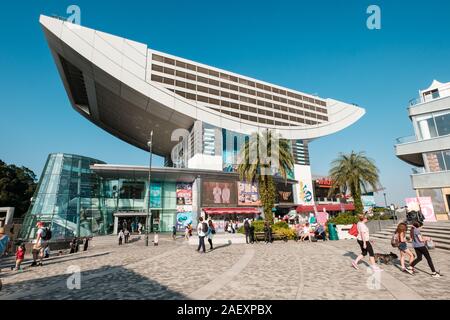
(116, 224)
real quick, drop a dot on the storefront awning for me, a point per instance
(231, 210)
(327, 207)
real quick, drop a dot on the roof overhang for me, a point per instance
(105, 77)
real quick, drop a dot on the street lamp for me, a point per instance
(385, 202)
(149, 144)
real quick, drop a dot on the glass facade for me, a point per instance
(438, 161)
(73, 200)
(433, 125)
(67, 199)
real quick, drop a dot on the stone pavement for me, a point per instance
(174, 270)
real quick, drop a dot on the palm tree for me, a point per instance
(354, 171)
(254, 161)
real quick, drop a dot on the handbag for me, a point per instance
(430, 244)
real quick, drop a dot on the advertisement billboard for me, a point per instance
(155, 195)
(248, 194)
(184, 205)
(184, 194)
(219, 193)
(424, 204)
(284, 193)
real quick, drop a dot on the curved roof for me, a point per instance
(107, 81)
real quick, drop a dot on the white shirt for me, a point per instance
(226, 195)
(39, 233)
(217, 193)
(362, 229)
(200, 229)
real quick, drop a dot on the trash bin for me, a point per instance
(332, 233)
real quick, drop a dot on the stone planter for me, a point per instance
(342, 231)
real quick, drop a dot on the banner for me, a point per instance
(248, 194)
(155, 195)
(424, 204)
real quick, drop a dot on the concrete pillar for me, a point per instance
(116, 224)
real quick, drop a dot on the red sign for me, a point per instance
(324, 182)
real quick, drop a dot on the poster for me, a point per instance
(284, 193)
(184, 217)
(155, 195)
(184, 205)
(184, 194)
(424, 204)
(248, 194)
(219, 193)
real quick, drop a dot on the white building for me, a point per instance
(429, 149)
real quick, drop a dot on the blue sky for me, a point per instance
(321, 47)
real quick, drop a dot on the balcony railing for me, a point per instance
(418, 170)
(406, 139)
(415, 101)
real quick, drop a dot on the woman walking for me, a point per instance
(210, 234)
(120, 237)
(363, 239)
(419, 245)
(400, 234)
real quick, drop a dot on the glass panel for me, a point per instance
(427, 128)
(446, 155)
(443, 124)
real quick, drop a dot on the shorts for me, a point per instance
(402, 246)
(368, 248)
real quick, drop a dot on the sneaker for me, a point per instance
(33, 264)
(354, 265)
(411, 269)
(435, 275)
(408, 271)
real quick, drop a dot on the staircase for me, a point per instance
(438, 231)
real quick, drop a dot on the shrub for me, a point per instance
(289, 233)
(344, 218)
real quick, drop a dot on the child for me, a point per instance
(20, 255)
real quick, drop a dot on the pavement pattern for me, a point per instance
(175, 270)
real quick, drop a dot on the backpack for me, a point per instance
(353, 230)
(394, 240)
(47, 234)
(204, 227)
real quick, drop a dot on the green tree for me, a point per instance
(255, 159)
(354, 171)
(17, 186)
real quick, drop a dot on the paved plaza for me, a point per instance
(174, 270)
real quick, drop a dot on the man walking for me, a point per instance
(202, 229)
(247, 230)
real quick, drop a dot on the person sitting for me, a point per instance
(306, 233)
(320, 232)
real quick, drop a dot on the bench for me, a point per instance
(260, 236)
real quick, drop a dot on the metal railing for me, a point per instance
(406, 139)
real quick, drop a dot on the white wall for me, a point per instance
(206, 162)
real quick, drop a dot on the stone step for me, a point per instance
(440, 244)
(438, 235)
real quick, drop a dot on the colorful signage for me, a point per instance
(155, 195)
(424, 204)
(184, 194)
(184, 205)
(248, 194)
(324, 183)
(219, 193)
